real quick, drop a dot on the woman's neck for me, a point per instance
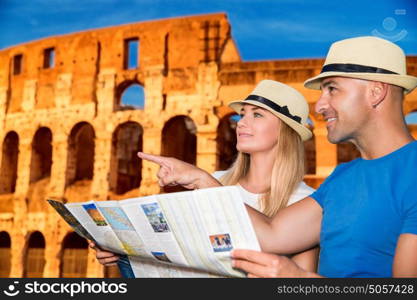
(258, 178)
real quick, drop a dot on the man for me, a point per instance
(364, 216)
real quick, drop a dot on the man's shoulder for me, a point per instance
(343, 169)
(411, 152)
(340, 175)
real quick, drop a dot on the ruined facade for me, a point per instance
(67, 135)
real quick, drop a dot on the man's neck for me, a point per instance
(382, 139)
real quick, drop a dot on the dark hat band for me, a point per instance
(353, 68)
(280, 109)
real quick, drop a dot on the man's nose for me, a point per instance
(321, 104)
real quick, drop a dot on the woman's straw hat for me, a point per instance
(281, 100)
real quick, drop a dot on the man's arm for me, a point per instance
(405, 259)
(307, 260)
(293, 229)
(260, 264)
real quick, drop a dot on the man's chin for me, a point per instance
(333, 139)
(338, 139)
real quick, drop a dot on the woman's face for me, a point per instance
(257, 130)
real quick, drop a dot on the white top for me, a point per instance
(251, 199)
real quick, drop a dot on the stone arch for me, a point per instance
(80, 162)
(35, 256)
(130, 95)
(40, 169)
(81, 153)
(226, 141)
(5, 254)
(310, 150)
(126, 166)
(411, 120)
(74, 256)
(179, 140)
(41, 160)
(8, 169)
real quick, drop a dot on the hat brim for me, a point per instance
(303, 131)
(405, 81)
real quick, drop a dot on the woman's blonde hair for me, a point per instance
(287, 172)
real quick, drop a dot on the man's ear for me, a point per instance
(378, 92)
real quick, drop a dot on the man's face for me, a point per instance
(343, 106)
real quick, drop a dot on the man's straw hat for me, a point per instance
(369, 58)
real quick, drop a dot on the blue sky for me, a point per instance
(262, 29)
(411, 118)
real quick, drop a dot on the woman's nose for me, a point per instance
(241, 122)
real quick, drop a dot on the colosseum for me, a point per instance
(69, 131)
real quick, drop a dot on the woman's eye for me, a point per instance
(257, 115)
(331, 89)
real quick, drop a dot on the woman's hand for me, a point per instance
(173, 171)
(106, 258)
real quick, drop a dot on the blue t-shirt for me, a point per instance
(366, 205)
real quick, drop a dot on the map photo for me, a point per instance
(221, 242)
(94, 213)
(155, 217)
(161, 256)
(117, 218)
(70, 219)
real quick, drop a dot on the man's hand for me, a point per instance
(173, 171)
(260, 264)
(106, 258)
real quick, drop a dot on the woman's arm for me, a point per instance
(293, 229)
(173, 171)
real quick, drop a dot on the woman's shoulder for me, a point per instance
(304, 187)
(303, 190)
(248, 197)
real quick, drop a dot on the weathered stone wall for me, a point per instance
(188, 67)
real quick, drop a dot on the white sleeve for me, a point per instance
(302, 191)
(218, 174)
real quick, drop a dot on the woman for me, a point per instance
(269, 168)
(270, 147)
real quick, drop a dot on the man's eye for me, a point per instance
(332, 88)
(257, 115)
